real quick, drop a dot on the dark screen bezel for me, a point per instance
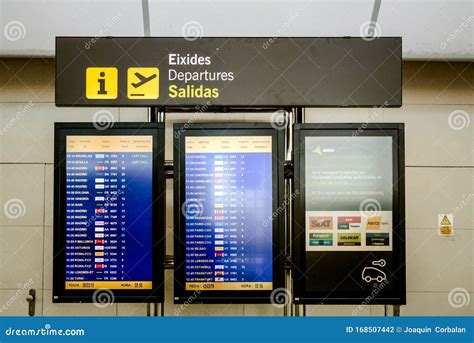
(156, 130)
(241, 297)
(396, 131)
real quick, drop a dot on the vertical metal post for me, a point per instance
(31, 299)
(288, 302)
(148, 309)
(371, 32)
(298, 117)
(156, 115)
(396, 310)
(292, 116)
(146, 18)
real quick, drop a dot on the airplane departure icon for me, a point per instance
(143, 79)
(143, 83)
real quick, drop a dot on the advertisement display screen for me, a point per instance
(348, 225)
(227, 209)
(348, 193)
(106, 222)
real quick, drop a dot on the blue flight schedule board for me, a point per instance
(228, 211)
(109, 213)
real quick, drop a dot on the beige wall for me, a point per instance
(439, 178)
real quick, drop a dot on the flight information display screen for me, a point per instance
(108, 212)
(228, 213)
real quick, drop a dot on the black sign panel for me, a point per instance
(349, 229)
(229, 234)
(238, 72)
(109, 213)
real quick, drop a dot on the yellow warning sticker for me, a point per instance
(445, 220)
(445, 225)
(101, 83)
(143, 83)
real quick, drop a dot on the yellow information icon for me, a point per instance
(143, 83)
(101, 83)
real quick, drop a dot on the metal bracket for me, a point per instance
(169, 262)
(169, 169)
(31, 298)
(288, 169)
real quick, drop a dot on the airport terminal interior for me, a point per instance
(437, 111)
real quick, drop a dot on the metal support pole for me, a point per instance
(373, 19)
(146, 18)
(295, 115)
(288, 309)
(156, 116)
(148, 309)
(396, 310)
(298, 117)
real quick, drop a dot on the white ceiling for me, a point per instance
(431, 29)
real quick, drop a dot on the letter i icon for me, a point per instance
(101, 83)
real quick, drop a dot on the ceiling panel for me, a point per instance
(431, 29)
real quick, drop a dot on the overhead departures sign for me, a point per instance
(175, 72)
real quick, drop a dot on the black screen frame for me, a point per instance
(156, 294)
(278, 224)
(301, 294)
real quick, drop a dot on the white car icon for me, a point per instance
(373, 274)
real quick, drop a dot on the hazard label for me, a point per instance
(445, 225)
